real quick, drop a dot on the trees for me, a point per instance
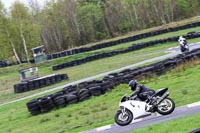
(63, 24)
(5, 34)
(91, 22)
(25, 30)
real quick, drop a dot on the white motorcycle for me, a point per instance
(132, 108)
(184, 47)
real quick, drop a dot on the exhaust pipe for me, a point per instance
(163, 97)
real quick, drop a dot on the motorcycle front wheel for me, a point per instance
(166, 107)
(123, 119)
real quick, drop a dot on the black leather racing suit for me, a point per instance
(142, 92)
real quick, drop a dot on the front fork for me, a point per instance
(123, 110)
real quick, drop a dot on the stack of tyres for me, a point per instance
(71, 98)
(39, 83)
(58, 78)
(83, 94)
(77, 93)
(52, 79)
(36, 84)
(45, 104)
(47, 81)
(95, 91)
(30, 85)
(17, 88)
(33, 107)
(123, 40)
(42, 82)
(60, 101)
(24, 86)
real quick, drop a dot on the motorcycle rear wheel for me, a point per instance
(123, 120)
(166, 107)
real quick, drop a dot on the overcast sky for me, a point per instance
(8, 3)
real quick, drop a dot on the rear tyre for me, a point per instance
(166, 107)
(125, 119)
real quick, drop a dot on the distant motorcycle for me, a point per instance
(183, 44)
(132, 108)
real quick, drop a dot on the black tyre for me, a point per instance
(33, 107)
(98, 93)
(73, 101)
(36, 84)
(33, 103)
(83, 92)
(166, 107)
(84, 96)
(44, 100)
(123, 120)
(35, 112)
(70, 97)
(58, 78)
(18, 88)
(46, 108)
(95, 91)
(60, 102)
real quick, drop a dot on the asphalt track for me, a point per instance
(171, 53)
(179, 112)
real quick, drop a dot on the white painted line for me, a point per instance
(173, 48)
(94, 77)
(170, 48)
(172, 51)
(103, 128)
(193, 104)
(141, 119)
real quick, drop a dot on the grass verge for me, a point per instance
(181, 125)
(99, 111)
(89, 69)
(81, 71)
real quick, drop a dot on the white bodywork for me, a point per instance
(136, 107)
(181, 41)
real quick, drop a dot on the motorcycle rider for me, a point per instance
(183, 44)
(142, 92)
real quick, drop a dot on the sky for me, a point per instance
(8, 3)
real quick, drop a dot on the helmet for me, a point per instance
(133, 84)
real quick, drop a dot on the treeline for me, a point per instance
(63, 24)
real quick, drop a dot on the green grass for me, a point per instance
(99, 111)
(181, 125)
(83, 55)
(89, 69)
(166, 35)
(79, 72)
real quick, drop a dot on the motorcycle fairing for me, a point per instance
(136, 107)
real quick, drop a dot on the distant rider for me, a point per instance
(183, 44)
(142, 92)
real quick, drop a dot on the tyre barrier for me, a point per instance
(83, 91)
(134, 47)
(5, 63)
(39, 83)
(124, 40)
(107, 44)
